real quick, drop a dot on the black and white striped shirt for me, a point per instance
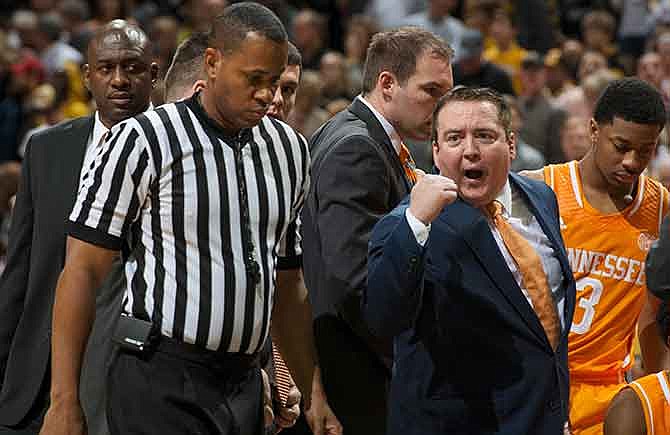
(176, 190)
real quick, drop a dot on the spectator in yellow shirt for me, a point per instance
(505, 51)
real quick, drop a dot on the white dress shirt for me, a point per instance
(516, 212)
(93, 146)
(420, 230)
(99, 130)
(388, 128)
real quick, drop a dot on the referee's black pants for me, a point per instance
(178, 389)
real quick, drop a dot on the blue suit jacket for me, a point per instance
(471, 356)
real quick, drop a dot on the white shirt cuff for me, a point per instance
(419, 229)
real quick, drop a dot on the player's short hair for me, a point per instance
(632, 100)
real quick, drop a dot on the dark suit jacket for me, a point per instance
(36, 256)
(471, 354)
(356, 179)
(658, 263)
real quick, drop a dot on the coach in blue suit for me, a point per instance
(471, 355)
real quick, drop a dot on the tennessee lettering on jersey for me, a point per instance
(653, 391)
(606, 265)
(606, 253)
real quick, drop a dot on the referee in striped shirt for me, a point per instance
(202, 197)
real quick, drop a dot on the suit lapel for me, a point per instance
(537, 206)
(60, 162)
(74, 140)
(378, 133)
(474, 228)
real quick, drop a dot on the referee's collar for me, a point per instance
(244, 136)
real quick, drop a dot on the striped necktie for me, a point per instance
(407, 163)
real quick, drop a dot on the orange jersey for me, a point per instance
(607, 254)
(654, 394)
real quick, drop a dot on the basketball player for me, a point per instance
(643, 407)
(610, 215)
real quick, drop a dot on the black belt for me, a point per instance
(141, 338)
(227, 361)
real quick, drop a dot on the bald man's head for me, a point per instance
(119, 72)
(119, 32)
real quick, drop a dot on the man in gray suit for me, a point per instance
(360, 171)
(120, 76)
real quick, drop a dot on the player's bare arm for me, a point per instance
(655, 356)
(625, 415)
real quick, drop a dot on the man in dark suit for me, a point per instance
(360, 171)
(480, 325)
(658, 263)
(120, 76)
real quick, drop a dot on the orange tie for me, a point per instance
(532, 273)
(407, 163)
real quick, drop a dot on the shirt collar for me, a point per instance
(99, 129)
(505, 198)
(388, 128)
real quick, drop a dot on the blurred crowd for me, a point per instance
(552, 58)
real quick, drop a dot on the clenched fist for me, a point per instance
(430, 195)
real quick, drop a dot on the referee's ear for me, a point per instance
(212, 59)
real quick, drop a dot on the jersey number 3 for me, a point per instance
(587, 303)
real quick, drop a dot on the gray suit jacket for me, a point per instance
(356, 179)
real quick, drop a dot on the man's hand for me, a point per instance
(430, 195)
(64, 418)
(268, 414)
(292, 332)
(288, 414)
(321, 418)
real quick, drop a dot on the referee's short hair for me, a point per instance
(187, 66)
(397, 51)
(632, 100)
(231, 27)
